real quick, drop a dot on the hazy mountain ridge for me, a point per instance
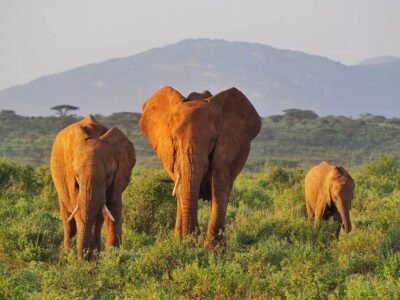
(273, 79)
(380, 60)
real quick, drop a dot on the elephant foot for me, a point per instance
(215, 242)
(177, 234)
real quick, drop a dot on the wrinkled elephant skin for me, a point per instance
(91, 166)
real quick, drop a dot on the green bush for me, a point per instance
(16, 180)
(250, 189)
(30, 235)
(148, 205)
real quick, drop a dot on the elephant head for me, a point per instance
(199, 96)
(101, 167)
(196, 138)
(338, 190)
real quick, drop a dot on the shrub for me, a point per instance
(371, 287)
(16, 180)
(386, 165)
(36, 238)
(47, 198)
(250, 189)
(148, 205)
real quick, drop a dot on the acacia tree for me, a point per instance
(63, 109)
(7, 113)
(300, 114)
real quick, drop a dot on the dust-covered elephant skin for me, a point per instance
(329, 191)
(198, 96)
(91, 166)
(203, 142)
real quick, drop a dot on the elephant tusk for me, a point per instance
(176, 185)
(73, 213)
(108, 212)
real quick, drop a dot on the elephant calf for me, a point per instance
(329, 191)
(91, 166)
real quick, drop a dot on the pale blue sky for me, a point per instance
(39, 37)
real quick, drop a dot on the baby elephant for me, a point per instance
(329, 191)
(91, 166)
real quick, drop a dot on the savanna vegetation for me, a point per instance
(271, 250)
(297, 138)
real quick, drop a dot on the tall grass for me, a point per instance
(271, 249)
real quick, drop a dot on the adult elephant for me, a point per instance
(203, 144)
(199, 96)
(329, 191)
(91, 166)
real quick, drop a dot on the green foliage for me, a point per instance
(30, 228)
(148, 203)
(63, 109)
(16, 180)
(272, 250)
(298, 138)
(300, 114)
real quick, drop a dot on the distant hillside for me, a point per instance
(295, 139)
(273, 79)
(380, 60)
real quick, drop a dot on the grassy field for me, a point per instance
(290, 140)
(271, 249)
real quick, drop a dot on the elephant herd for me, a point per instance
(202, 140)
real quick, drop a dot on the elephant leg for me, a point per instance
(319, 213)
(336, 216)
(178, 222)
(221, 188)
(114, 228)
(96, 241)
(69, 227)
(69, 233)
(310, 211)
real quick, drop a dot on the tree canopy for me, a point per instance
(63, 109)
(300, 114)
(7, 113)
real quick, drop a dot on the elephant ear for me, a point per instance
(82, 134)
(156, 121)
(332, 175)
(91, 127)
(125, 158)
(350, 181)
(240, 123)
(198, 96)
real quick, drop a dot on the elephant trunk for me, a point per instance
(345, 215)
(90, 203)
(189, 189)
(84, 240)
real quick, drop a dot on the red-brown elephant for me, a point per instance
(91, 166)
(203, 142)
(329, 191)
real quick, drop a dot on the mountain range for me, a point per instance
(273, 79)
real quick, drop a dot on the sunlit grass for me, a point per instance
(272, 250)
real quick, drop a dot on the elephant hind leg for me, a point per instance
(96, 235)
(72, 231)
(69, 233)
